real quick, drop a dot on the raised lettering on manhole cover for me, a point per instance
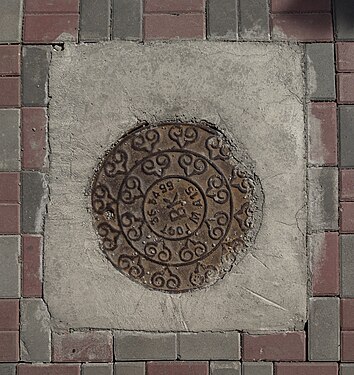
(173, 208)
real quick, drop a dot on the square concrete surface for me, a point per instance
(254, 93)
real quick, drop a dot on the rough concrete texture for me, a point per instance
(101, 91)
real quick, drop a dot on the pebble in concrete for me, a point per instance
(324, 329)
(95, 20)
(129, 368)
(97, 369)
(9, 139)
(35, 331)
(254, 19)
(208, 345)
(323, 198)
(347, 265)
(131, 346)
(344, 15)
(222, 19)
(127, 19)
(10, 21)
(9, 266)
(257, 368)
(320, 71)
(7, 369)
(35, 67)
(225, 368)
(346, 125)
(34, 198)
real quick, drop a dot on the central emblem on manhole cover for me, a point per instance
(173, 207)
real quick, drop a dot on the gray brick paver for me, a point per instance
(222, 19)
(9, 139)
(127, 19)
(254, 19)
(9, 266)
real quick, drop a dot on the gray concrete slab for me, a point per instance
(105, 89)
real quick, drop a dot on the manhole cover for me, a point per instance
(173, 208)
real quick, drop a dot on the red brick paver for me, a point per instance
(9, 314)
(347, 184)
(289, 346)
(52, 6)
(9, 92)
(325, 266)
(9, 187)
(168, 26)
(10, 60)
(32, 266)
(285, 6)
(303, 27)
(174, 6)
(345, 57)
(9, 346)
(347, 314)
(83, 347)
(313, 368)
(345, 88)
(52, 369)
(9, 218)
(177, 368)
(347, 347)
(34, 122)
(347, 217)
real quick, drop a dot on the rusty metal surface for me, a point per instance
(172, 206)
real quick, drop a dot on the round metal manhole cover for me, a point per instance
(173, 208)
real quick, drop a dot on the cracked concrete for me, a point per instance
(254, 92)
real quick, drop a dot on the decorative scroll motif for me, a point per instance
(172, 207)
(183, 135)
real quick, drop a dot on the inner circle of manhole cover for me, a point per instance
(174, 208)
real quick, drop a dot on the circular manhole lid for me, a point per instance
(173, 208)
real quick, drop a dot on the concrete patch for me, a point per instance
(254, 93)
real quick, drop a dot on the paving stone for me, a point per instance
(322, 124)
(97, 369)
(10, 60)
(174, 6)
(131, 346)
(34, 138)
(303, 27)
(9, 187)
(347, 346)
(254, 20)
(347, 217)
(51, 28)
(9, 219)
(222, 19)
(347, 184)
(35, 331)
(225, 368)
(208, 345)
(10, 21)
(127, 19)
(52, 369)
(9, 315)
(9, 139)
(257, 368)
(95, 19)
(313, 368)
(7, 369)
(324, 329)
(129, 368)
(171, 26)
(347, 265)
(346, 369)
(52, 6)
(345, 88)
(346, 133)
(9, 267)
(324, 254)
(320, 71)
(9, 92)
(347, 314)
(287, 346)
(344, 15)
(35, 70)
(32, 266)
(177, 368)
(288, 6)
(323, 199)
(9, 346)
(34, 199)
(93, 346)
(345, 56)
